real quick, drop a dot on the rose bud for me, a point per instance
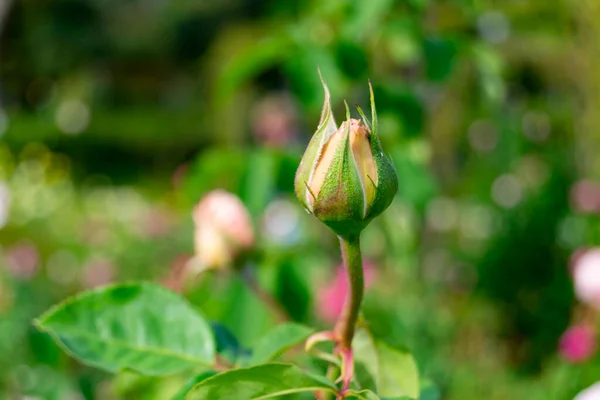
(344, 179)
(223, 230)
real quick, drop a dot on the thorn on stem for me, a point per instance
(347, 369)
(319, 337)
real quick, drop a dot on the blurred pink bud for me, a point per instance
(586, 277)
(5, 200)
(97, 272)
(331, 298)
(591, 393)
(585, 196)
(577, 344)
(223, 229)
(22, 260)
(575, 257)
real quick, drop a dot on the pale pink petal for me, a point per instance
(223, 229)
(591, 393)
(586, 277)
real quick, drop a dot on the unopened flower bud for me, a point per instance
(223, 229)
(344, 179)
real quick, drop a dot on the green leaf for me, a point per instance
(193, 381)
(278, 340)
(238, 308)
(362, 395)
(293, 287)
(418, 184)
(390, 371)
(259, 382)
(222, 167)
(227, 344)
(139, 326)
(369, 395)
(259, 180)
(429, 391)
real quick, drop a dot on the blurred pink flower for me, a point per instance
(586, 276)
(577, 344)
(223, 229)
(22, 260)
(575, 257)
(590, 393)
(5, 200)
(585, 196)
(331, 297)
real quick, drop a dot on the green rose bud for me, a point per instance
(344, 179)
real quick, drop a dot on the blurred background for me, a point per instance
(117, 116)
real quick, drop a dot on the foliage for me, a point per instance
(117, 116)
(150, 330)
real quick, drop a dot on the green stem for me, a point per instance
(346, 323)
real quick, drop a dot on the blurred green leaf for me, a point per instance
(369, 395)
(367, 18)
(218, 168)
(440, 56)
(417, 184)
(193, 381)
(429, 391)
(261, 381)
(392, 370)
(278, 340)
(293, 288)
(227, 344)
(241, 310)
(306, 84)
(43, 348)
(142, 327)
(400, 101)
(256, 51)
(260, 178)
(42, 382)
(351, 58)
(363, 395)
